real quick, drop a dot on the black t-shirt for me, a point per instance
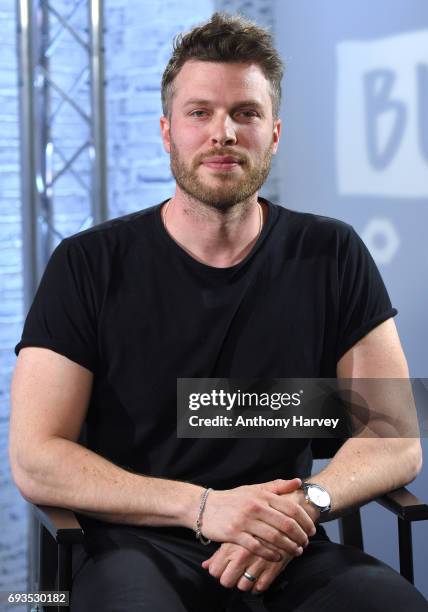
(124, 300)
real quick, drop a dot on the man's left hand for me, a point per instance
(230, 561)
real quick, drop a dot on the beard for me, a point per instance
(230, 189)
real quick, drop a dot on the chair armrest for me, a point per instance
(405, 505)
(62, 524)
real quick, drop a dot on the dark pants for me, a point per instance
(125, 569)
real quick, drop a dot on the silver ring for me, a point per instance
(249, 577)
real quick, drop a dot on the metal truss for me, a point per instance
(62, 138)
(62, 125)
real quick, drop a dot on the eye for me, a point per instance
(248, 114)
(198, 113)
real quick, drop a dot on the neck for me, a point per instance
(218, 238)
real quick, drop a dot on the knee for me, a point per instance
(103, 579)
(376, 587)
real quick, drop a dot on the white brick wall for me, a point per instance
(138, 43)
(12, 509)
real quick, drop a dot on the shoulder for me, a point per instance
(125, 226)
(315, 222)
(114, 237)
(95, 253)
(318, 233)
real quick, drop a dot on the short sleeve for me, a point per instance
(363, 299)
(62, 316)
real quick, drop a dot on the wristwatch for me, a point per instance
(317, 496)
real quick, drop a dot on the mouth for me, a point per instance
(221, 163)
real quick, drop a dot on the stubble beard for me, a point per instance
(230, 189)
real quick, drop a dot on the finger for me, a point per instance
(257, 547)
(280, 486)
(293, 529)
(284, 527)
(284, 517)
(207, 562)
(244, 584)
(265, 579)
(280, 552)
(225, 550)
(256, 569)
(295, 511)
(232, 574)
(272, 526)
(216, 557)
(278, 539)
(267, 575)
(218, 567)
(231, 556)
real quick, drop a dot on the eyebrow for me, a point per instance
(202, 102)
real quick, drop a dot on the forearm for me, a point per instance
(69, 475)
(365, 468)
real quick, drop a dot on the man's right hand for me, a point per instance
(260, 517)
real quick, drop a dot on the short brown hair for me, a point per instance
(225, 38)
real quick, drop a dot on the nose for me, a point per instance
(223, 131)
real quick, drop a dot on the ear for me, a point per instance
(276, 134)
(165, 133)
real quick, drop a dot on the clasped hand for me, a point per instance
(264, 528)
(260, 518)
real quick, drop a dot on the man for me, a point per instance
(215, 282)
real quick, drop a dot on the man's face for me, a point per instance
(221, 134)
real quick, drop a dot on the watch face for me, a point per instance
(319, 497)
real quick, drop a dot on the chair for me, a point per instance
(59, 529)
